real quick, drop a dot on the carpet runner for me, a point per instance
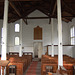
(34, 68)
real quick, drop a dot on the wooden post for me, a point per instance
(60, 48)
(47, 50)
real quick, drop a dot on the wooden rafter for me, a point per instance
(49, 20)
(69, 11)
(68, 6)
(37, 17)
(19, 0)
(28, 11)
(66, 20)
(24, 0)
(13, 6)
(22, 8)
(47, 17)
(54, 9)
(43, 11)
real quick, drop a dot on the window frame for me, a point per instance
(17, 28)
(18, 41)
(72, 35)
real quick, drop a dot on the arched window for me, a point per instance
(17, 27)
(16, 40)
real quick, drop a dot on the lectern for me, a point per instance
(3, 63)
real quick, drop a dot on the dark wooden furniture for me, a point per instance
(21, 63)
(74, 70)
(3, 63)
(49, 73)
(47, 60)
(12, 70)
(49, 69)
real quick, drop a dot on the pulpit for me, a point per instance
(3, 63)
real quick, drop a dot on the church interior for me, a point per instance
(37, 37)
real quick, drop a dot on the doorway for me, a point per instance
(38, 49)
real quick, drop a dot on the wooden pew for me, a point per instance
(49, 73)
(21, 63)
(53, 61)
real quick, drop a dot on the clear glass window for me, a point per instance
(16, 40)
(72, 35)
(17, 27)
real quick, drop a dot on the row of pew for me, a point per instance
(21, 63)
(50, 64)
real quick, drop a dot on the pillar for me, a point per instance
(4, 32)
(20, 51)
(60, 48)
(52, 38)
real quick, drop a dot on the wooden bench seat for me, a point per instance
(68, 63)
(21, 63)
(19, 70)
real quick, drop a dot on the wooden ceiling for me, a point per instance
(22, 8)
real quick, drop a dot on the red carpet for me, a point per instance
(32, 69)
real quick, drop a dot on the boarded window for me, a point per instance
(38, 33)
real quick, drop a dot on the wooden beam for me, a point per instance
(47, 17)
(50, 21)
(25, 21)
(28, 11)
(66, 20)
(20, 0)
(13, 6)
(37, 17)
(68, 6)
(54, 9)
(69, 11)
(24, 0)
(40, 9)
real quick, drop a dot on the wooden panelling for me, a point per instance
(37, 33)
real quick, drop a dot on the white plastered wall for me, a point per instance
(28, 34)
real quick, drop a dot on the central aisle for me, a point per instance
(34, 68)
